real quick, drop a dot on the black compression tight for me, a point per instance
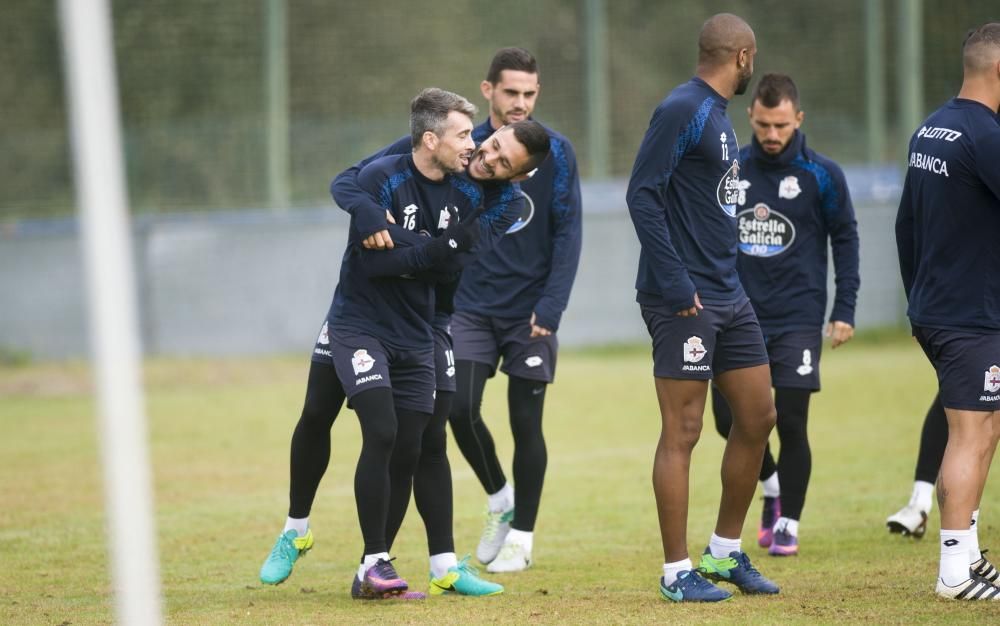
(432, 490)
(526, 398)
(471, 434)
(933, 439)
(310, 453)
(390, 448)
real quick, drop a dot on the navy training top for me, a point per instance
(397, 309)
(948, 224)
(682, 200)
(789, 206)
(531, 269)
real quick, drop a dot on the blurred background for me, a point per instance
(236, 116)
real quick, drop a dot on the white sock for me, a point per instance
(522, 538)
(301, 526)
(921, 497)
(787, 524)
(720, 547)
(368, 561)
(670, 570)
(502, 500)
(441, 562)
(954, 568)
(974, 553)
(772, 489)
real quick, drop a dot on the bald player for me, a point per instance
(682, 198)
(947, 234)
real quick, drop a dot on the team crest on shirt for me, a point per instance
(764, 232)
(362, 361)
(324, 335)
(789, 188)
(694, 351)
(527, 212)
(444, 217)
(992, 383)
(728, 192)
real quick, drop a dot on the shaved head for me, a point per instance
(981, 51)
(722, 36)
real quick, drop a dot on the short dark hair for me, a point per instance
(517, 59)
(429, 111)
(535, 139)
(981, 47)
(773, 88)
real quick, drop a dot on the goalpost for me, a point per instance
(114, 332)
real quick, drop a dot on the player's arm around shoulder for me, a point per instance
(349, 196)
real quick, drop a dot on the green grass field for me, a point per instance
(220, 433)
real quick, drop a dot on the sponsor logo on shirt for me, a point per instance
(367, 379)
(694, 351)
(930, 163)
(935, 132)
(362, 362)
(741, 195)
(527, 212)
(764, 232)
(728, 192)
(789, 187)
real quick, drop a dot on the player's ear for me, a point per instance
(801, 115)
(430, 140)
(486, 87)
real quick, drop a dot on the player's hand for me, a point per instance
(538, 331)
(693, 310)
(839, 333)
(380, 240)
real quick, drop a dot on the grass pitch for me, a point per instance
(220, 432)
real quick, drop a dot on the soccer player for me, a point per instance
(508, 306)
(946, 234)
(508, 153)
(911, 520)
(682, 198)
(792, 202)
(376, 346)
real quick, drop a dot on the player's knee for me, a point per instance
(681, 434)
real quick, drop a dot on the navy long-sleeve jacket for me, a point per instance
(531, 269)
(790, 205)
(948, 224)
(682, 200)
(377, 294)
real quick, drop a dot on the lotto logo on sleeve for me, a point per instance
(362, 361)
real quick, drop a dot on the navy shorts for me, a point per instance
(720, 338)
(794, 356)
(967, 366)
(363, 362)
(444, 358)
(486, 339)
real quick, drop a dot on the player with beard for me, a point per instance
(376, 346)
(946, 235)
(794, 203)
(682, 199)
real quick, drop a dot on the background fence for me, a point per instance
(237, 114)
